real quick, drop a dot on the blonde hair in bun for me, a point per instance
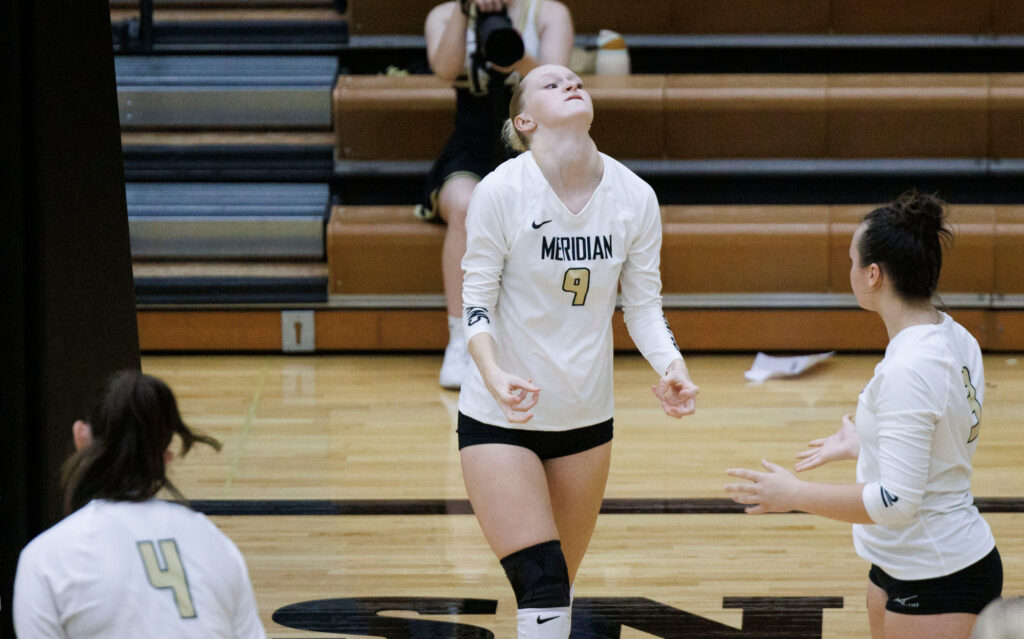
(513, 137)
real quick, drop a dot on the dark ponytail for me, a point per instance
(132, 422)
(905, 238)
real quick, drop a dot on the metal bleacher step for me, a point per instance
(227, 291)
(234, 221)
(273, 92)
(228, 162)
(243, 36)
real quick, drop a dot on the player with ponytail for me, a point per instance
(934, 560)
(124, 563)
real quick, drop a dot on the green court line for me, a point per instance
(250, 414)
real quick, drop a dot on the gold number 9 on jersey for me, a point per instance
(577, 282)
(972, 401)
(172, 575)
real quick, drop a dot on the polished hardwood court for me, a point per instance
(339, 481)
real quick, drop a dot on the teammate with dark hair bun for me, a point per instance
(934, 561)
(123, 563)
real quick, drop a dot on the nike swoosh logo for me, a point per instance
(537, 226)
(539, 618)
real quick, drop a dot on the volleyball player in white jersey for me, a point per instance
(482, 94)
(551, 236)
(1001, 619)
(934, 560)
(123, 563)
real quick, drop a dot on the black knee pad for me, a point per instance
(538, 575)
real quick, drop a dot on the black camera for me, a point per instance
(498, 41)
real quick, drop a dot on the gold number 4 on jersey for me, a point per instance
(172, 575)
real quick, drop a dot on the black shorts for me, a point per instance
(968, 590)
(546, 444)
(474, 149)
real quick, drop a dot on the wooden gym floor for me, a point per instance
(339, 481)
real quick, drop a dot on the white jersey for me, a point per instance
(134, 569)
(918, 420)
(543, 281)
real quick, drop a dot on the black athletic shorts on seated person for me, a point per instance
(474, 148)
(546, 444)
(968, 590)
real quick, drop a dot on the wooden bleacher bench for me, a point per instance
(1008, 249)
(707, 250)
(735, 16)
(723, 116)
(734, 277)
(383, 250)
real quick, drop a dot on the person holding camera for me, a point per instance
(482, 47)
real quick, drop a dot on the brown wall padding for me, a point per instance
(907, 115)
(1006, 332)
(696, 330)
(383, 250)
(910, 16)
(1009, 251)
(209, 330)
(387, 330)
(744, 249)
(720, 116)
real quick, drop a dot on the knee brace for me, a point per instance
(539, 575)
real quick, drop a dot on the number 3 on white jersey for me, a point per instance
(172, 575)
(972, 401)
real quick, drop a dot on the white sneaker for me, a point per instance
(456, 364)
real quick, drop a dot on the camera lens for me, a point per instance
(498, 40)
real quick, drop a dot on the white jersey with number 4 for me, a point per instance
(134, 569)
(919, 419)
(543, 281)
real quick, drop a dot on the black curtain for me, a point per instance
(68, 306)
